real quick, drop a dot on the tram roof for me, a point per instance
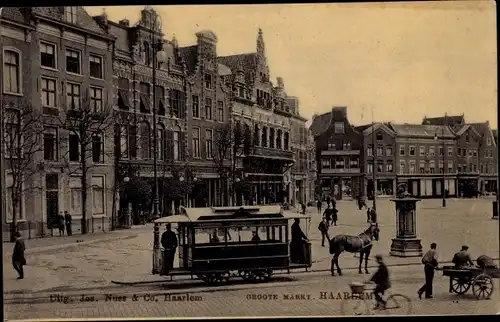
(230, 213)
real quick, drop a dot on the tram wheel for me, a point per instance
(245, 275)
(262, 275)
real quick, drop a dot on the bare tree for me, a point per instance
(23, 141)
(88, 121)
(231, 144)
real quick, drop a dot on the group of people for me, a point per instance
(64, 222)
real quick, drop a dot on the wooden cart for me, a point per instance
(480, 279)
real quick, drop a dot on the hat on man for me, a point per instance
(465, 247)
(378, 257)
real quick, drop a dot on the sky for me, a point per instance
(398, 62)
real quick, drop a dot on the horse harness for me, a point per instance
(361, 240)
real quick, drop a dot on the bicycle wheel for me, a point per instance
(355, 307)
(398, 304)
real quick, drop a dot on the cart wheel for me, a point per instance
(460, 285)
(482, 287)
(263, 275)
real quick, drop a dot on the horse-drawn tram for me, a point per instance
(215, 244)
(479, 278)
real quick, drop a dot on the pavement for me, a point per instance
(67, 266)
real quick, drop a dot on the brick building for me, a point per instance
(53, 57)
(339, 154)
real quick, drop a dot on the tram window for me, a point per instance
(202, 235)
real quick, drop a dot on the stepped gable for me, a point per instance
(321, 123)
(85, 21)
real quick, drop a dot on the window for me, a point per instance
(145, 102)
(421, 150)
(48, 92)
(354, 163)
(159, 100)
(369, 151)
(71, 14)
(412, 151)
(98, 197)
(124, 141)
(379, 137)
(402, 166)
(339, 164)
(271, 138)
(380, 151)
(74, 148)
(176, 103)
(401, 150)
(177, 151)
(123, 93)
(488, 141)
(441, 166)
(97, 149)
(146, 58)
(467, 138)
(474, 152)
(72, 96)
(96, 99)
(450, 166)
(432, 166)
(339, 128)
(432, 151)
(144, 140)
(422, 166)
(160, 142)
(13, 133)
(370, 167)
(9, 205)
(450, 151)
(72, 61)
(263, 140)
(196, 143)
(208, 108)
(11, 72)
(441, 150)
(388, 151)
(380, 166)
(208, 81)
(286, 140)
(331, 146)
(389, 166)
(196, 106)
(325, 164)
(47, 55)
(50, 143)
(209, 143)
(75, 185)
(412, 166)
(96, 68)
(220, 111)
(279, 135)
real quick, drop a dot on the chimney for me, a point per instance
(340, 109)
(281, 84)
(124, 22)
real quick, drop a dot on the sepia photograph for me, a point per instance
(249, 160)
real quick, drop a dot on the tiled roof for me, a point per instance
(481, 128)
(13, 14)
(361, 128)
(444, 120)
(495, 133)
(320, 123)
(245, 62)
(417, 130)
(190, 56)
(85, 21)
(122, 40)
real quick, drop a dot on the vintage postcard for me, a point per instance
(333, 159)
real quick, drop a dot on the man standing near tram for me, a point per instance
(169, 243)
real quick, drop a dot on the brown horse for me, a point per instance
(361, 244)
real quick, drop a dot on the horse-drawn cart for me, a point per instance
(480, 279)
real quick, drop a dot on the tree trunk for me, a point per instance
(84, 188)
(13, 224)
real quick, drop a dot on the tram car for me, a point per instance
(216, 244)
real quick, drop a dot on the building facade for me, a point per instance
(68, 58)
(298, 189)
(338, 154)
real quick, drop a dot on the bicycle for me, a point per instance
(363, 303)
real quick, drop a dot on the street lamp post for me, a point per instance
(128, 214)
(159, 56)
(443, 188)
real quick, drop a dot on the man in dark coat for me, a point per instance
(319, 205)
(18, 259)
(334, 212)
(323, 228)
(381, 279)
(62, 223)
(327, 214)
(430, 264)
(169, 243)
(297, 243)
(373, 216)
(462, 258)
(68, 218)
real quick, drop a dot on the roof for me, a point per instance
(244, 62)
(418, 130)
(190, 57)
(495, 133)
(320, 123)
(223, 70)
(207, 34)
(444, 120)
(463, 128)
(361, 128)
(229, 213)
(13, 14)
(85, 21)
